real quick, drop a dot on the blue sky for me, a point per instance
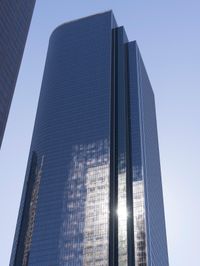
(168, 34)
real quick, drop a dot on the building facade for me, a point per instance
(92, 193)
(15, 18)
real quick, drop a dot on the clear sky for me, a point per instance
(168, 34)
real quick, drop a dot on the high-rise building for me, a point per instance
(15, 18)
(92, 193)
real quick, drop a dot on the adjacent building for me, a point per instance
(15, 18)
(92, 193)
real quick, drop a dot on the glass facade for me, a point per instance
(85, 199)
(15, 18)
(149, 220)
(83, 236)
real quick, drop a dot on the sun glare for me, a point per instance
(122, 212)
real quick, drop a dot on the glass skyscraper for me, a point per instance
(92, 194)
(15, 18)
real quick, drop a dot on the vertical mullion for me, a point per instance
(129, 175)
(113, 221)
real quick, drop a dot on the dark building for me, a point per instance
(92, 193)
(15, 18)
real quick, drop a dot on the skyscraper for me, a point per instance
(92, 193)
(15, 18)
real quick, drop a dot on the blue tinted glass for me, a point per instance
(71, 134)
(15, 17)
(92, 192)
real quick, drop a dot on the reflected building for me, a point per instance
(92, 193)
(15, 18)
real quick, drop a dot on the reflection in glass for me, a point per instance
(84, 230)
(139, 219)
(32, 213)
(122, 214)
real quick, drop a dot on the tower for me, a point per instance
(15, 18)
(92, 193)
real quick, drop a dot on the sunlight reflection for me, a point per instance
(84, 230)
(122, 212)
